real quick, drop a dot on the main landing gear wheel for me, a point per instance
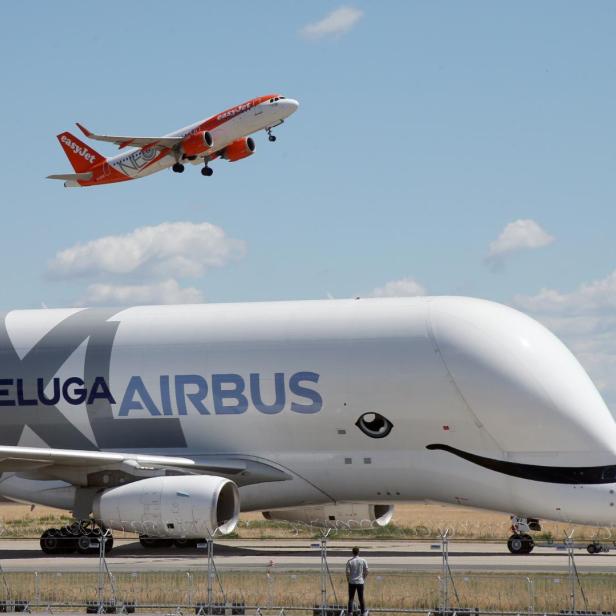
(178, 167)
(520, 544)
(81, 537)
(207, 171)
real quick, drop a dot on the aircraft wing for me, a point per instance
(98, 468)
(123, 141)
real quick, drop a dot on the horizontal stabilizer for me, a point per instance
(71, 176)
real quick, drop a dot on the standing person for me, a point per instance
(356, 573)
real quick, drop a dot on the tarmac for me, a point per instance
(297, 555)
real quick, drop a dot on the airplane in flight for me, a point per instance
(225, 135)
(168, 420)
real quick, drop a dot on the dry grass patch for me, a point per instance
(512, 592)
(413, 521)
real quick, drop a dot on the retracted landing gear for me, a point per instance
(521, 542)
(82, 537)
(178, 168)
(270, 136)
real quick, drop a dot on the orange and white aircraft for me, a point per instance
(225, 135)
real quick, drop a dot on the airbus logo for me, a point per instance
(78, 149)
(181, 394)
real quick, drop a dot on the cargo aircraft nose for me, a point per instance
(527, 392)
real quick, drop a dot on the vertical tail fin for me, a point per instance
(80, 155)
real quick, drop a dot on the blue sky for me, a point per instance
(440, 147)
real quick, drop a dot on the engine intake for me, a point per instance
(242, 148)
(187, 506)
(197, 143)
(343, 515)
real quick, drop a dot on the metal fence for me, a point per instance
(268, 589)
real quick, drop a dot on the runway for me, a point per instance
(296, 555)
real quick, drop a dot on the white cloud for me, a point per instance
(165, 292)
(596, 297)
(163, 251)
(405, 287)
(585, 319)
(522, 234)
(336, 23)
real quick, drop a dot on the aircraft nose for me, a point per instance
(520, 382)
(290, 105)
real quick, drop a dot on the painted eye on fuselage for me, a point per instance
(374, 425)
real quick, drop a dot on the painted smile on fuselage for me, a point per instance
(548, 474)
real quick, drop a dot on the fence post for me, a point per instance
(531, 595)
(37, 588)
(190, 588)
(445, 570)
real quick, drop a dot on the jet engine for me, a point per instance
(197, 143)
(342, 515)
(186, 506)
(242, 148)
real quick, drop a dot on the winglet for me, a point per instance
(83, 129)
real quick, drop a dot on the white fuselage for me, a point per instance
(286, 382)
(136, 162)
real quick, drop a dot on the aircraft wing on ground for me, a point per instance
(100, 468)
(123, 141)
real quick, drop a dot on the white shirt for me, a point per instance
(356, 570)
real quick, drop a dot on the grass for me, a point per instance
(411, 522)
(267, 587)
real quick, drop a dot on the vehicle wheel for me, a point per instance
(207, 171)
(529, 544)
(50, 541)
(178, 167)
(83, 545)
(593, 548)
(516, 544)
(272, 137)
(109, 544)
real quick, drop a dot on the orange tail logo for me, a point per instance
(80, 155)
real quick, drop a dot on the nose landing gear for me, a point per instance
(521, 542)
(270, 136)
(178, 168)
(207, 171)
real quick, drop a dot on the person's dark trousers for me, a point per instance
(360, 595)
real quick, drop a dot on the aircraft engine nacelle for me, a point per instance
(242, 148)
(197, 143)
(188, 506)
(342, 515)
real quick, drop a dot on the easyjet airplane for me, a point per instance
(221, 136)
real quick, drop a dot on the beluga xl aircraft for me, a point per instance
(166, 420)
(225, 135)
